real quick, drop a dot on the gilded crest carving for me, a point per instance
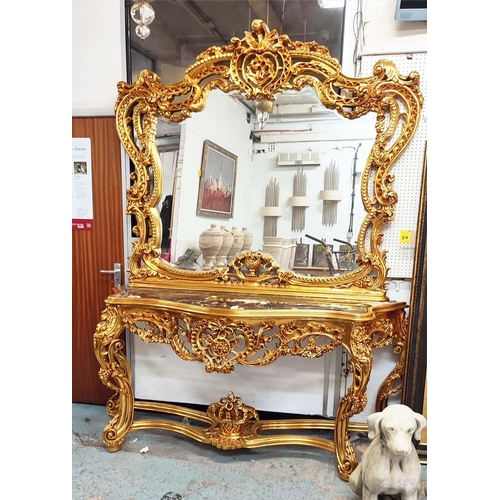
(232, 422)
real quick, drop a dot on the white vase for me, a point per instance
(247, 240)
(273, 245)
(291, 260)
(227, 243)
(285, 253)
(210, 242)
(237, 245)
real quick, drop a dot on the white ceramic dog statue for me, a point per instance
(390, 465)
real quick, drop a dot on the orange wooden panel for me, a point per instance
(95, 250)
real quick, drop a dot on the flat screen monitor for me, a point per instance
(411, 10)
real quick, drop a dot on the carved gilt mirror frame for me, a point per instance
(259, 66)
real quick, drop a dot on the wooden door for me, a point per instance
(94, 250)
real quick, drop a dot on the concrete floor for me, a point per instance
(179, 468)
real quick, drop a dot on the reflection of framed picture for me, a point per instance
(319, 258)
(346, 258)
(301, 255)
(217, 182)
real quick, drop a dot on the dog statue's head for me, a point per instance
(396, 425)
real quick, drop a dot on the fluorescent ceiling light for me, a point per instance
(331, 4)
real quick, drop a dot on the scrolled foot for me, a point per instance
(114, 448)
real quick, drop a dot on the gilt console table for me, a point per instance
(222, 330)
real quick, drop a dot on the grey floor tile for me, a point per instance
(178, 468)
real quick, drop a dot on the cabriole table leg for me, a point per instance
(360, 365)
(115, 373)
(393, 383)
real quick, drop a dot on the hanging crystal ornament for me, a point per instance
(264, 107)
(262, 117)
(143, 14)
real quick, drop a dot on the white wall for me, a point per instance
(381, 32)
(265, 166)
(224, 123)
(98, 55)
(289, 385)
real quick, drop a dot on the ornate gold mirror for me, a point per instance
(260, 67)
(251, 310)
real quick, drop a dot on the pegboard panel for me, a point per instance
(407, 171)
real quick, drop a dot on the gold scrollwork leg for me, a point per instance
(360, 365)
(394, 381)
(114, 373)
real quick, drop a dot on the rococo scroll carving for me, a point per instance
(258, 66)
(393, 383)
(221, 342)
(115, 373)
(386, 330)
(114, 370)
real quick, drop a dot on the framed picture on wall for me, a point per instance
(217, 182)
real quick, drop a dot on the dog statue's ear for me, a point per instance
(421, 423)
(373, 422)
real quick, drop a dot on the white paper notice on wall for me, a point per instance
(83, 211)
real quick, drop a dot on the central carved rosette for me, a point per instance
(231, 410)
(261, 69)
(219, 346)
(254, 266)
(220, 341)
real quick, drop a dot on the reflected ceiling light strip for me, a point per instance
(282, 16)
(331, 4)
(143, 14)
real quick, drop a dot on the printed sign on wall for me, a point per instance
(83, 213)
